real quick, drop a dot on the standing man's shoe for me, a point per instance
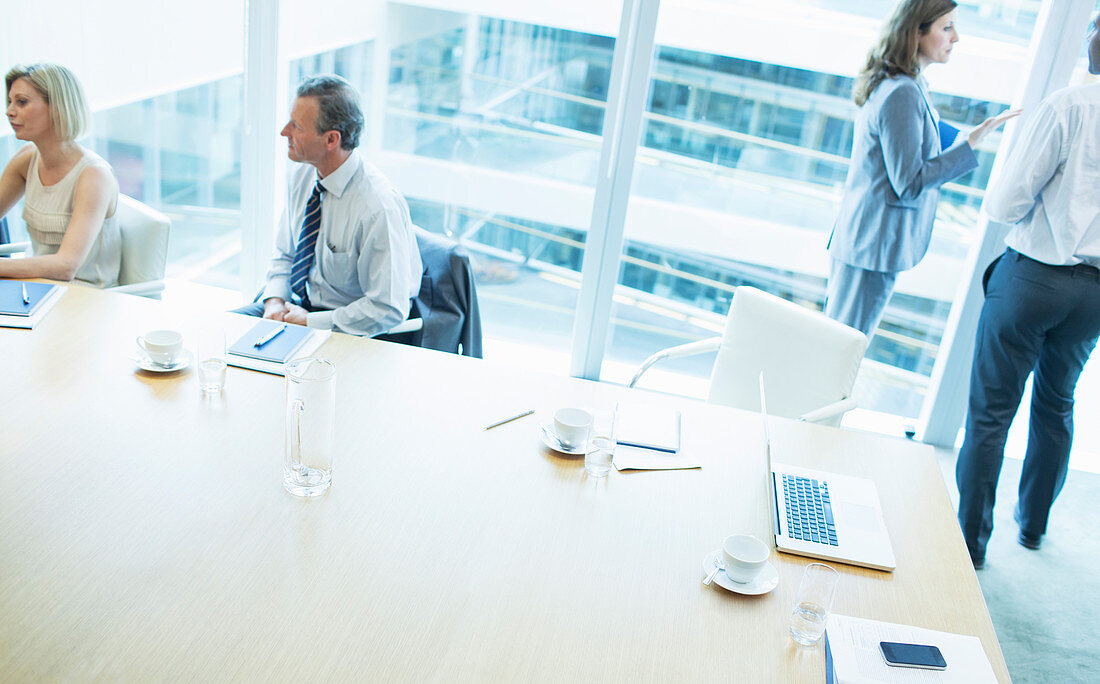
(1029, 541)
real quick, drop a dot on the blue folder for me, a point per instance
(11, 297)
(278, 349)
(948, 133)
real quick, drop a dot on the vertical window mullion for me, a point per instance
(261, 167)
(626, 104)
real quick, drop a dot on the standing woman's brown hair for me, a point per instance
(897, 49)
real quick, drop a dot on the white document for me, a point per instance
(30, 321)
(857, 658)
(241, 325)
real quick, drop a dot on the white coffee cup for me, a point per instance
(162, 346)
(744, 556)
(571, 425)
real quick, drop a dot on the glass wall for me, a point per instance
(164, 85)
(508, 117)
(180, 152)
(489, 118)
(491, 128)
(742, 165)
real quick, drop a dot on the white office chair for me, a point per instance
(144, 248)
(809, 361)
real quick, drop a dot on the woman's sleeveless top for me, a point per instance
(47, 210)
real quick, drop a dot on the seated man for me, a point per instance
(345, 253)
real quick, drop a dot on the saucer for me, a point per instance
(767, 580)
(145, 363)
(550, 439)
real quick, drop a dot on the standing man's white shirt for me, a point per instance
(366, 266)
(1049, 187)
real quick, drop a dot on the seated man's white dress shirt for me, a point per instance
(366, 268)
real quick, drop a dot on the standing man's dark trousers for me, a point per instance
(1035, 317)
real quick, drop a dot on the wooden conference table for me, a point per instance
(145, 533)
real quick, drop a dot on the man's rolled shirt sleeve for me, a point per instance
(1032, 162)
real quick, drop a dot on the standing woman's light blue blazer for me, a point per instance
(894, 179)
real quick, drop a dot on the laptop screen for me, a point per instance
(773, 500)
(764, 417)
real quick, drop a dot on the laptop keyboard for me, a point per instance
(809, 510)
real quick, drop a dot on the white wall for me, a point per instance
(307, 27)
(128, 50)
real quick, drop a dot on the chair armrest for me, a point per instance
(14, 248)
(829, 411)
(411, 325)
(150, 288)
(690, 349)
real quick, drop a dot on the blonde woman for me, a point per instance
(69, 192)
(898, 164)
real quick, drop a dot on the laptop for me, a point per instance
(825, 515)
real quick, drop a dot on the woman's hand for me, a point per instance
(989, 125)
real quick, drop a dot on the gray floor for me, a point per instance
(1045, 604)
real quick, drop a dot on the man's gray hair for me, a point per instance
(338, 107)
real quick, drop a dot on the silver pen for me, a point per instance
(270, 336)
(26, 297)
(509, 420)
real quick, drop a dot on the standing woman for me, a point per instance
(898, 164)
(70, 193)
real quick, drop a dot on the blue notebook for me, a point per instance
(11, 297)
(278, 349)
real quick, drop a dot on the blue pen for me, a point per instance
(270, 336)
(26, 297)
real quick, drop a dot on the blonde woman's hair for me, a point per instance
(898, 45)
(63, 94)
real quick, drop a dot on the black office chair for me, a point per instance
(446, 306)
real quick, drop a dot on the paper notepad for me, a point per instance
(853, 649)
(279, 349)
(11, 297)
(634, 458)
(648, 438)
(15, 314)
(248, 330)
(647, 427)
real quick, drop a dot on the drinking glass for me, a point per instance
(598, 456)
(310, 422)
(212, 360)
(812, 603)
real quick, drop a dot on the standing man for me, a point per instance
(345, 253)
(1041, 310)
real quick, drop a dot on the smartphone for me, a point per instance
(912, 655)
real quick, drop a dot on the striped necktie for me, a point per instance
(307, 240)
